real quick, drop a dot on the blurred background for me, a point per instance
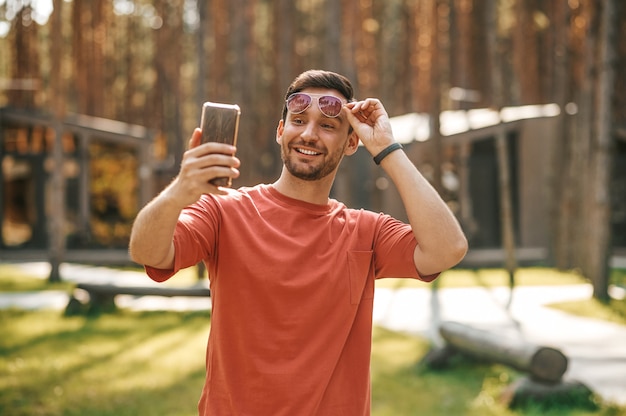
(514, 109)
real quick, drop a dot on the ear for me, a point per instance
(353, 144)
(279, 131)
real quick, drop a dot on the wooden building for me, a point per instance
(71, 188)
(469, 177)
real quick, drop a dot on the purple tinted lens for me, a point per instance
(298, 103)
(329, 105)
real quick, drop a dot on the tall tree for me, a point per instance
(525, 53)
(501, 142)
(168, 31)
(349, 36)
(25, 66)
(560, 201)
(599, 227)
(332, 35)
(57, 80)
(244, 87)
(366, 63)
(89, 34)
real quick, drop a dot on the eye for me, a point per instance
(328, 125)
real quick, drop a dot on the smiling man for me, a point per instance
(291, 270)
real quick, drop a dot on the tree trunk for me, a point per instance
(506, 208)
(599, 237)
(557, 188)
(25, 66)
(497, 97)
(525, 54)
(542, 363)
(332, 35)
(579, 170)
(202, 55)
(57, 83)
(436, 69)
(56, 220)
(167, 61)
(241, 70)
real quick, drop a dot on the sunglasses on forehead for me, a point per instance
(329, 105)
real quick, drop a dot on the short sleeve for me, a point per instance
(195, 237)
(393, 250)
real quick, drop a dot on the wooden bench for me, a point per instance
(102, 296)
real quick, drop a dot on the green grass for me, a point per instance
(400, 386)
(15, 279)
(614, 311)
(117, 364)
(152, 363)
(618, 277)
(531, 276)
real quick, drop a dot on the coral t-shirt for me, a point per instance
(292, 286)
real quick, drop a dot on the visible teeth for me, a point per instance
(308, 152)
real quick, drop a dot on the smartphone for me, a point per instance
(220, 123)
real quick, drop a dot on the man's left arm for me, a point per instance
(441, 241)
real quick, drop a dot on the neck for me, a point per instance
(314, 192)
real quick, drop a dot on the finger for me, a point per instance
(352, 117)
(212, 149)
(354, 113)
(196, 138)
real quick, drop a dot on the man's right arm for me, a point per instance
(151, 238)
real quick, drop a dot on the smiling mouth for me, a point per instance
(307, 152)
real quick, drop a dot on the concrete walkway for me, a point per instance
(596, 349)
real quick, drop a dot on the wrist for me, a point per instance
(174, 199)
(386, 152)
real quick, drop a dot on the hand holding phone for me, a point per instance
(220, 123)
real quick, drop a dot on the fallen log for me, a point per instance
(542, 363)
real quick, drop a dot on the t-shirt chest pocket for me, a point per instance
(361, 275)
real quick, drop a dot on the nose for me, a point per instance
(310, 132)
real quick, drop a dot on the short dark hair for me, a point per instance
(317, 78)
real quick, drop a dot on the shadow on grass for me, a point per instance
(116, 364)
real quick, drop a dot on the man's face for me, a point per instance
(313, 144)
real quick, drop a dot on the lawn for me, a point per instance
(152, 363)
